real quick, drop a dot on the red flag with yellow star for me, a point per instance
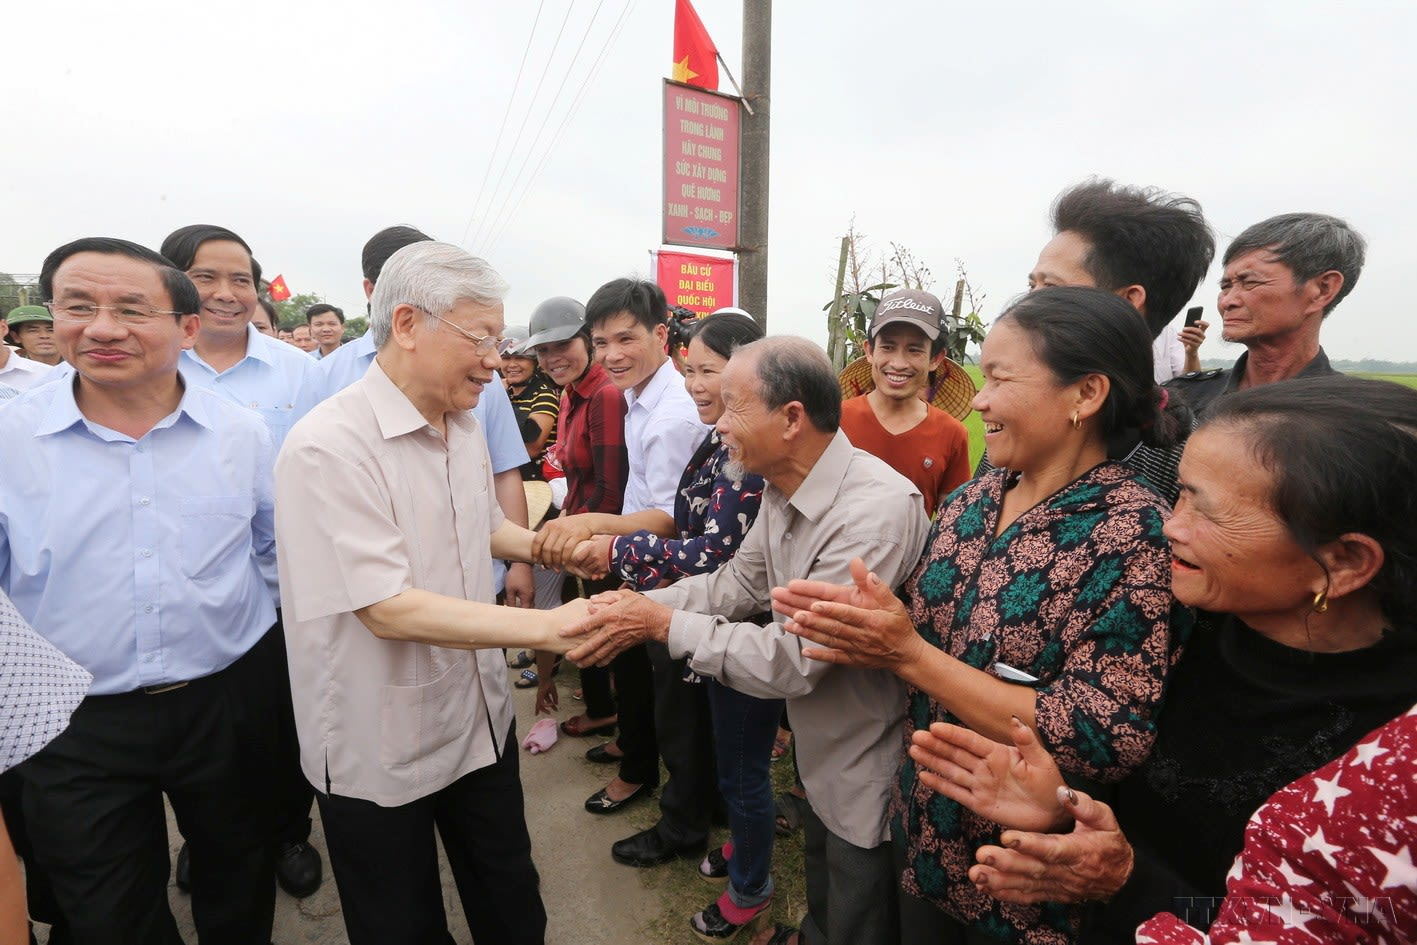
(279, 290)
(695, 55)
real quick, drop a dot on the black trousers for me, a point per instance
(684, 733)
(292, 794)
(93, 808)
(385, 862)
(595, 680)
(39, 897)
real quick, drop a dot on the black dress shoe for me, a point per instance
(298, 869)
(601, 756)
(648, 848)
(182, 874)
(602, 803)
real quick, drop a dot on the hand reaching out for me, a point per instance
(555, 541)
(1013, 786)
(591, 558)
(1090, 863)
(860, 624)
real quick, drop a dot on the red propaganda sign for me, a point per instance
(700, 167)
(703, 284)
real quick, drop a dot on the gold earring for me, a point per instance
(1321, 602)
(1077, 424)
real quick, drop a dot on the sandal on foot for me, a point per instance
(522, 660)
(576, 727)
(782, 935)
(714, 868)
(781, 746)
(527, 680)
(789, 813)
(721, 921)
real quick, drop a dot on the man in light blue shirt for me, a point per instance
(136, 517)
(493, 411)
(230, 357)
(235, 361)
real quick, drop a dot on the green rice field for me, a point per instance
(1407, 380)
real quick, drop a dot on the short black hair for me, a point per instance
(722, 332)
(1077, 331)
(182, 244)
(1309, 244)
(1139, 236)
(644, 300)
(269, 307)
(1343, 453)
(183, 294)
(320, 308)
(384, 244)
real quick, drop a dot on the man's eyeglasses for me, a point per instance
(82, 313)
(486, 344)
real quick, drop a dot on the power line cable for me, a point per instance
(492, 156)
(531, 106)
(551, 110)
(566, 120)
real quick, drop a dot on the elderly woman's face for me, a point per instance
(1230, 551)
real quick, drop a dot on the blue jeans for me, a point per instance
(744, 728)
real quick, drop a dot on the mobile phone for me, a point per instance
(1193, 315)
(1009, 674)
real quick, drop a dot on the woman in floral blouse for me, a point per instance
(1044, 594)
(716, 505)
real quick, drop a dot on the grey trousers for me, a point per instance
(851, 891)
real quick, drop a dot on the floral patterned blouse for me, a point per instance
(1076, 592)
(712, 511)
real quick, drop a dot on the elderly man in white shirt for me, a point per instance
(387, 524)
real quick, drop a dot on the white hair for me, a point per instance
(432, 277)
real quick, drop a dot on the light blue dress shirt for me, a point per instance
(142, 560)
(277, 381)
(493, 411)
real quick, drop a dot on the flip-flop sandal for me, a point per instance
(527, 680)
(780, 747)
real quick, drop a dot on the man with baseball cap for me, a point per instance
(20, 369)
(893, 421)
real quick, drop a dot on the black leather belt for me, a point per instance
(166, 687)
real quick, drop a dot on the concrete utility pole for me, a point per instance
(753, 222)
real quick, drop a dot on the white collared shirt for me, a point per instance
(22, 373)
(662, 430)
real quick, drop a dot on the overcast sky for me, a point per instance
(946, 127)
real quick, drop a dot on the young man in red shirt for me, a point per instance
(892, 421)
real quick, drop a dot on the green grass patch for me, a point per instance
(1406, 380)
(972, 424)
(682, 892)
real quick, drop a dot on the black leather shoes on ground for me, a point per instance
(182, 874)
(601, 802)
(600, 754)
(648, 848)
(298, 869)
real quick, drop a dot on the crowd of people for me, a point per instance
(1046, 700)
